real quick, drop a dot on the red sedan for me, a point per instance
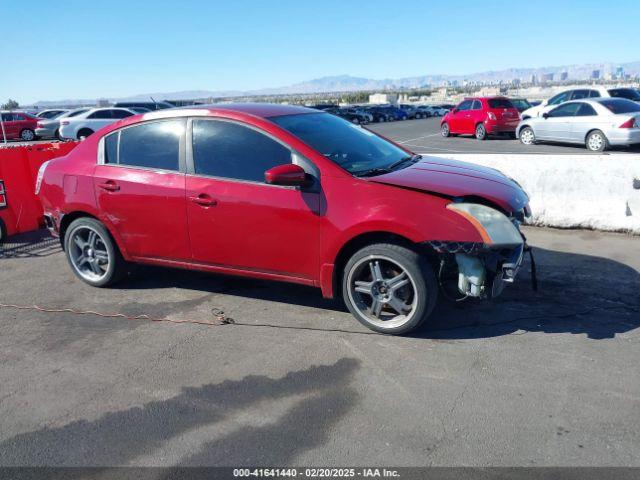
(481, 117)
(18, 125)
(285, 193)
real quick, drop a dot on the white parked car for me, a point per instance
(596, 123)
(86, 123)
(566, 96)
(438, 111)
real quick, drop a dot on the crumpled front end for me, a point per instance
(482, 269)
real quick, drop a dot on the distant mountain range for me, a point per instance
(348, 83)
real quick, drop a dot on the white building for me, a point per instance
(383, 98)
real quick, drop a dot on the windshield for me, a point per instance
(499, 103)
(620, 105)
(355, 149)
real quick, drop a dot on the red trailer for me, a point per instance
(20, 209)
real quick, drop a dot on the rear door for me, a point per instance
(585, 120)
(140, 186)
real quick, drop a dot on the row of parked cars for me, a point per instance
(596, 117)
(364, 114)
(72, 124)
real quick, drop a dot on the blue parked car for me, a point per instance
(395, 112)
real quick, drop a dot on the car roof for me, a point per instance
(263, 110)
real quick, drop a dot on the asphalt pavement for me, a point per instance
(530, 379)
(423, 136)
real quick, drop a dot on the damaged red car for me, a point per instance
(290, 194)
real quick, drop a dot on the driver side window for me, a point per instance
(466, 105)
(229, 150)
(568, 110)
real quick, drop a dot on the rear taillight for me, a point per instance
(492, 116)
(41, 170)
(3, 195)
(631, 123)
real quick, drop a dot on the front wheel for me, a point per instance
(93, 255)
(527, 136)
(481, 132)
(389, 288)
(597, 141)
(445, 131)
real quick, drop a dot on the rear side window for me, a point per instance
(586, 110)
(594, 94)
(500, 103)
(120, 113)
(579, 94)
(228, 150)
(153, 145)
(102, 114)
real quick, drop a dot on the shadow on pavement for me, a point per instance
(318, 396)
(32, 244)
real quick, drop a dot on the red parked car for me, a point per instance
(481, 116)
(19, 125)
(285, 193)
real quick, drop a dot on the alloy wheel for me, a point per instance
(27, 135)
(382, 291)
(88, 253)
(595, 142)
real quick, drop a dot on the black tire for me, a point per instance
(27, 135)
(117, 265)
(84, 132)
(56, 135)
(445, 131)
(596, 141)
(418, 269)
(481, 132)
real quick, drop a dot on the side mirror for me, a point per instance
(545, 115)
(288, 175)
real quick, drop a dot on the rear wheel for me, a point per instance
(597, 141)
(84, 132)
(389, 288)
(481, 132)
(93, 255)
(444, 130)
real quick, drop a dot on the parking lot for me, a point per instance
(423, 136)
(546, 378)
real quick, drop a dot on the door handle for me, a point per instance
(203, 200)
(109, 186)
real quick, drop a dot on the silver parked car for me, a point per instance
(50, 127)
(596, 123)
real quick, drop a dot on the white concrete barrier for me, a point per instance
(601, 192)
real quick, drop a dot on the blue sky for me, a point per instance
(78, 49)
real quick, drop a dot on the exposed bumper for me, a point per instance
(501, 127)
(482, 272)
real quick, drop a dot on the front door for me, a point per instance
(238, 221)
(459, 116)
(140, 187)
(557, 125)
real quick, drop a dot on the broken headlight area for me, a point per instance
(476, 270)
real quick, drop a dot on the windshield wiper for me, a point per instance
(371, 172)
(412, 158)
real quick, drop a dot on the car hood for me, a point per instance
(453, 178)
